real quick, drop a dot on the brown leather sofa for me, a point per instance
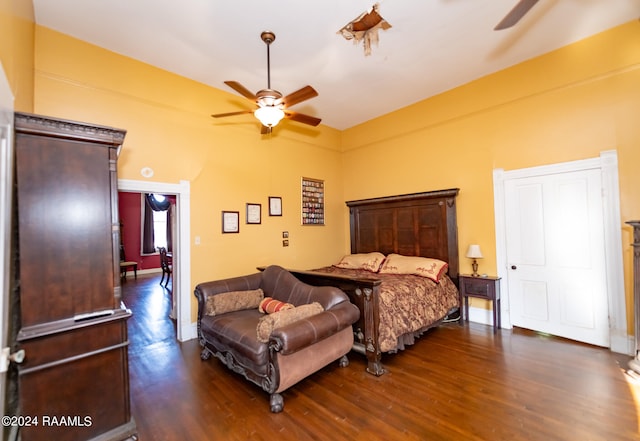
(293, 351)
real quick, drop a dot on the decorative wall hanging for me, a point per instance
(312, 201)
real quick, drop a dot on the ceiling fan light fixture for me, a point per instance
(269, 116)
(270, 103)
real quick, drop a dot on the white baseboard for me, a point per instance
(622, 343)
(145, 271)
(189, 332)
(481, 315)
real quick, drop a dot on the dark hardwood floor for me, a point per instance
(455, 383)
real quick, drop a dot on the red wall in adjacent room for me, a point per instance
(131, 230)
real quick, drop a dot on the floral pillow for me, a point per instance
(419, 266)
(233, 301)
(268, 323)
(367, 261)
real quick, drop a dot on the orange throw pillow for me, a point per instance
(269, 305)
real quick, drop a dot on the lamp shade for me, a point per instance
(474, 252)
(269, 116)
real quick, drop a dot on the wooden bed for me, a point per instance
(419, 224)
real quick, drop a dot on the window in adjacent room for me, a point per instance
(155, 223)
(159, 225)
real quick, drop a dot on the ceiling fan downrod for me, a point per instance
(268, 37)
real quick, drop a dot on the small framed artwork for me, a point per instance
(230, 221)
(312, 201)
(275, 206)
(254, 213)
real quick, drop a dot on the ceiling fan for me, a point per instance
(514, 16)
(271, 105)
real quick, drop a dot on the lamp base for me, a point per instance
(474, 266)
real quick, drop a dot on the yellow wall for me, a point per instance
(16, 50)
(227, 162)
(567, 105)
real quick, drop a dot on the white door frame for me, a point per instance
(6, 192)
(607, 163)
(182, 248)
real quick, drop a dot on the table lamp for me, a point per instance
(474, 253)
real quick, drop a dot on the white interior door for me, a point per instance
(556, 255)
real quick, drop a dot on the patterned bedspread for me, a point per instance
(408, 304)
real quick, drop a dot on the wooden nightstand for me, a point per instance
(484, 288)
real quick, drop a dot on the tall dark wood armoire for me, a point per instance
(635, 362)
(71, 321)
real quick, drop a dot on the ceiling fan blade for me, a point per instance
(241, 90)
(299, 96)
(514, 16)
(302, 118)
(222, 115)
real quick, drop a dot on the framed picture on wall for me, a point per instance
(230, 221)
(275, 206)
(254, 213)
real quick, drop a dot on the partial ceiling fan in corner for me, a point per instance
(514, 16)
(271, 105)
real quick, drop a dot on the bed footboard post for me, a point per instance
(371, 319)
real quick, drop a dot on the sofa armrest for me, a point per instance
(308, 331)
(206, 289)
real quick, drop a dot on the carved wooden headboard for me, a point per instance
(417, 224)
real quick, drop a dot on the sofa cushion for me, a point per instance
(235, 333)
(233, 301)
(268, 323)
(269, 305)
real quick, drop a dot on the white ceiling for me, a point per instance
(433, 45)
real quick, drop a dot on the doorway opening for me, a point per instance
(181, 247)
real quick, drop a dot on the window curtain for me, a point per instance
(151, 205)
(170, 215)
(148, 246)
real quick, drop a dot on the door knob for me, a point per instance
(7, 357)
(17, 357)
(514, 267)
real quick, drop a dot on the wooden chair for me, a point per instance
(166, 264)
(125, 265)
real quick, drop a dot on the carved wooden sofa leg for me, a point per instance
(205, 354)
(277, 403)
